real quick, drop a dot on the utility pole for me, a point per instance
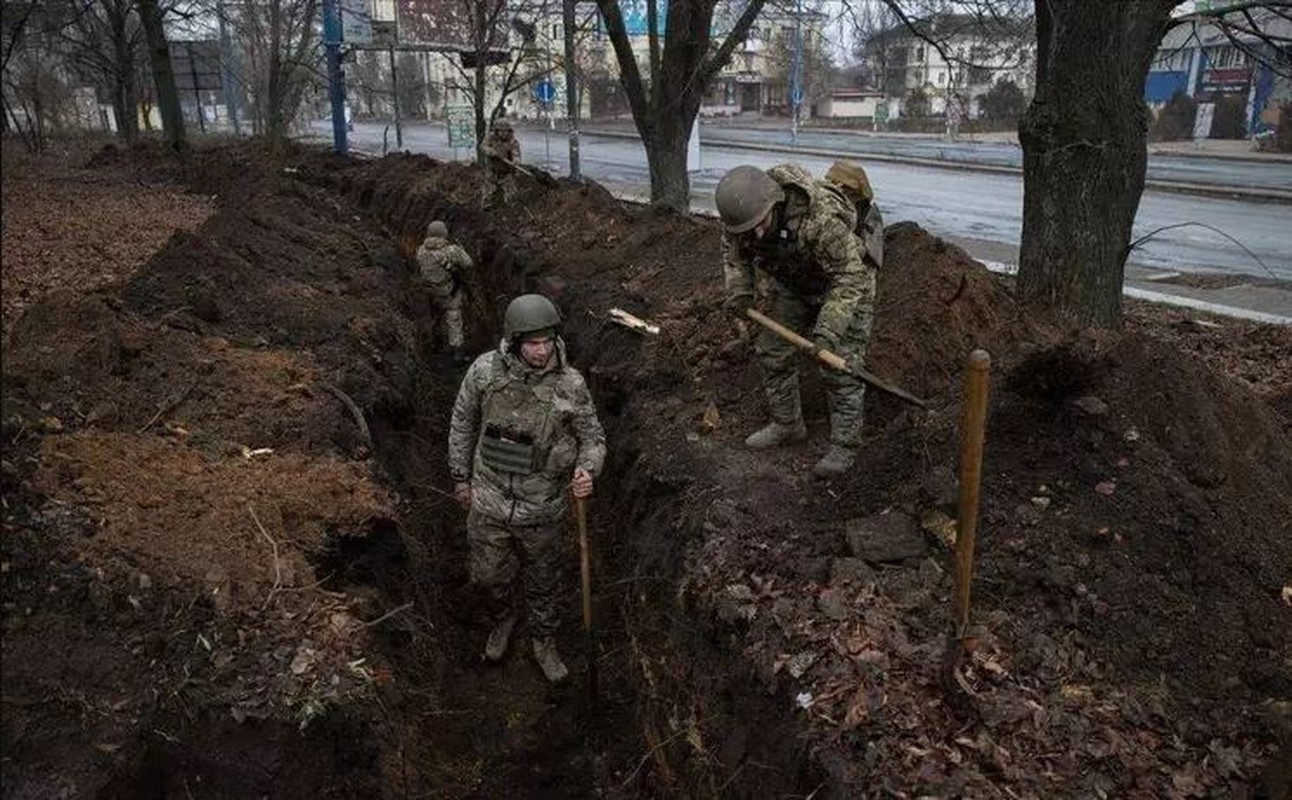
(336, 78)
(394, 99)
(571, 93)
(796, 68)
(226, 71)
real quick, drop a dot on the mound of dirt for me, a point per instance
(1100, 448)
(198, 533)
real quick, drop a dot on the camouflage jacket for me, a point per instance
(495, 147)
(546, 423)
(812, 252)
(442, 265)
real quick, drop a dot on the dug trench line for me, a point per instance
(665, 684)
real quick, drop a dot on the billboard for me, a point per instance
(635, 16)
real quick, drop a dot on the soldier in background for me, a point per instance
(444, 268)
(502, 157)
(796, 236)
(523, 429)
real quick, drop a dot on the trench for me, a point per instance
(674, 713)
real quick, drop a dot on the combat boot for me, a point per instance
(777, 434)
(835, 462)
(550, 660)
(499, 638)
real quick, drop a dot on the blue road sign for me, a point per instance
(796, 96)
(545, 91)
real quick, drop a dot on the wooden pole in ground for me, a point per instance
(972, 434)
(585, 566)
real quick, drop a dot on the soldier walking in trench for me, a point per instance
(444, 268)
(502, 156)
(796, 237)
(523, 429)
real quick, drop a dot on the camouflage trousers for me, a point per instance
(499, 188)
(779, 360)
(451, 307)
(499, 553)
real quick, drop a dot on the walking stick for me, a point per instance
(971, 444)
(585, 566)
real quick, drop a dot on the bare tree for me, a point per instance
(1084, 133)
(678, 70)
(280, 39)
(817, 65)
(103, 41)
(163, 74)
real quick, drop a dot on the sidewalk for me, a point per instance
(621, 130)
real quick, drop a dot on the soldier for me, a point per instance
(444, 267)
(796, 235)
(523, 427)
(502, 156)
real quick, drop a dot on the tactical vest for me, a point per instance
(517, 419)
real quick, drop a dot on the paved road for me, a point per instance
(980, 211)
(1162, 167)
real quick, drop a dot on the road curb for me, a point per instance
(1178, 187)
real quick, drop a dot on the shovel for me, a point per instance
(585, 566)
(832, 360)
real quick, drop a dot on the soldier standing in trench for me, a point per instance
(444, 267)
(523, 428)
(502, 156)
(797, 237)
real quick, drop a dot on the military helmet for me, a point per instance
(529, 313)
(502, 125)
(437, 229)
(744, 196)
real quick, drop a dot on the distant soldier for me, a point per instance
(444, 270)
(523, 427)
(796, 235)
(502, 157)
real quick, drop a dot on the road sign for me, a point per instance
(545, 91)
(461, 122)
(796, 96)
(356, 21)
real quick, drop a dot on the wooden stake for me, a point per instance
(972, 435)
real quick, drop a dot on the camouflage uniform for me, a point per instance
(443, 265)
(500, 179)
(813, 271)
(517, 434)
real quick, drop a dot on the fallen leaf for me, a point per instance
(1106, 487)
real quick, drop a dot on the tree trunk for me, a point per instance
(1085, 152)
(665, 142)
(163, 75)
(126, 107)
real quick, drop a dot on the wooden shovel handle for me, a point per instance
(972, 435)
(585, 565)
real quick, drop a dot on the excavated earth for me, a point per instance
(230, 567)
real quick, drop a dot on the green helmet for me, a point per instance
(744, 196)
(502, 125)
(437, 229)
(529, 313)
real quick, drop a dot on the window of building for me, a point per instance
(919, 54)
(1226, 57)
(942, 77)
(556, 31)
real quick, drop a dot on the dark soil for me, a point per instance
(201, 546)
